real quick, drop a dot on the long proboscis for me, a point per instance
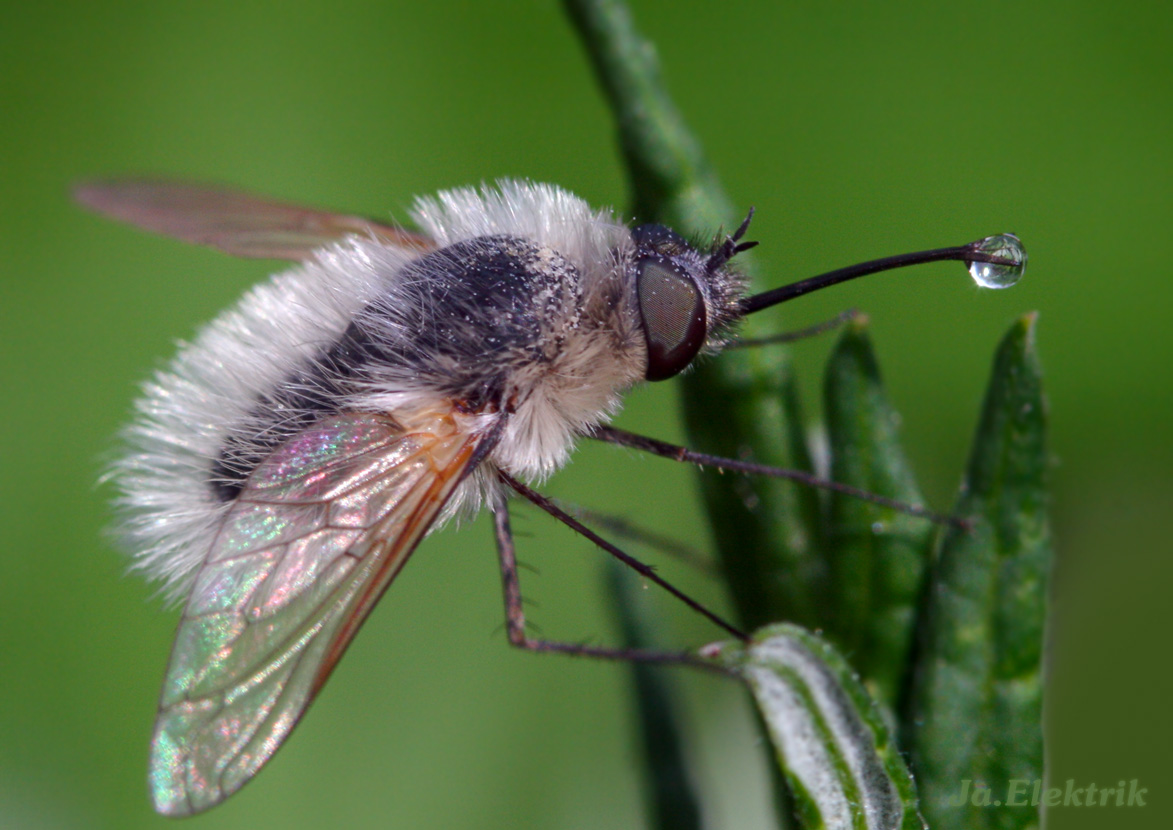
(965, 253)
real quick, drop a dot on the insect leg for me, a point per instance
(515, 614)
(677, 453)
(625, 529)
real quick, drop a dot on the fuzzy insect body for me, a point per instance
(288, 461)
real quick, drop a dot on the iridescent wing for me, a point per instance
(235, 222)
(313, 540)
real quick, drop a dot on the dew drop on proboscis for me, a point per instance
(995, 275)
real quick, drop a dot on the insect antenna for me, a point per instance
(729, 247)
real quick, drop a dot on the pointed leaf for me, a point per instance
(877, 555)
(976, 700)
(831, 742)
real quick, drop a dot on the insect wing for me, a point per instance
(235, 222)
(315, 537)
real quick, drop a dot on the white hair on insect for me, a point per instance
(210, 387)
(548, 215)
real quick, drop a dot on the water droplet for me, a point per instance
(993, 275)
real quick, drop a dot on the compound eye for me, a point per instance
(673, 314)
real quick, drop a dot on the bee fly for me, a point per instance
(287, 462)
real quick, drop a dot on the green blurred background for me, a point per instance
(857, 132)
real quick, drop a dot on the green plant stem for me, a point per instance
(745, 404)
(671, 802)
(670, 178)
(765, 531)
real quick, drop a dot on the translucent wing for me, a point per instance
(235, 222)
(315, 537)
